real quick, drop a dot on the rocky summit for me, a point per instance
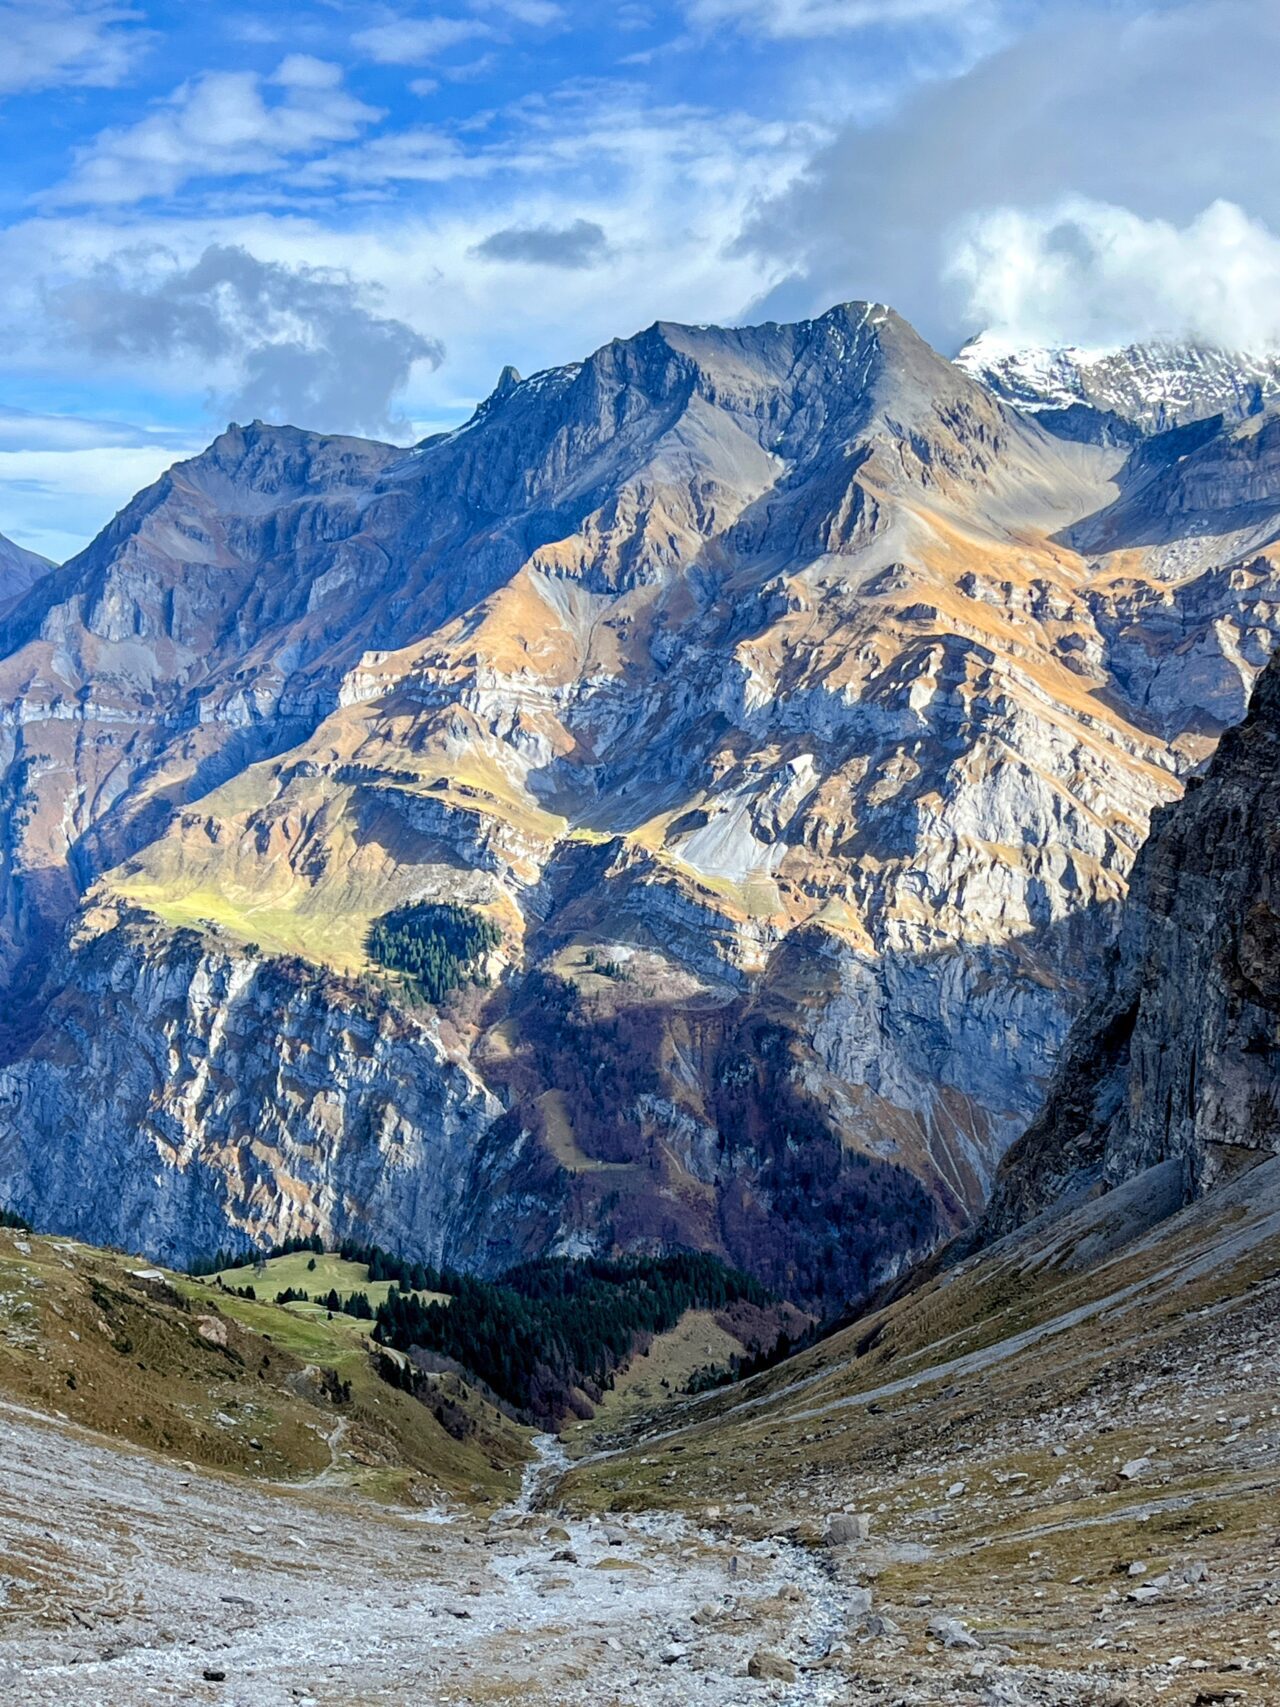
(788, 703)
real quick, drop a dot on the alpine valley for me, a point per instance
(640, 1048)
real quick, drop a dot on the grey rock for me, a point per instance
(846, 1529)
(952, 1633)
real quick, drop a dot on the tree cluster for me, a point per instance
(435, 944)
(553, 1332)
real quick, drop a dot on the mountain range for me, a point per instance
(791, 700)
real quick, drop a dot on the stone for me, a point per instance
(952, 1633)
(765, 1665)
(857, 1604)
(1135, 1468)
(1144, 1594)
(845, 1529)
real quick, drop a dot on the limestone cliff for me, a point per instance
(198, 1099)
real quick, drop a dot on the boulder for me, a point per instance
(847, 1528)
(765, 1665)
(952, 1633)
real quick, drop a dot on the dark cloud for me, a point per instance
(1160, 112)
(300, 344)
(579, 245)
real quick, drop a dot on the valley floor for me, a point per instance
(1054, 1473)
(128, 1580)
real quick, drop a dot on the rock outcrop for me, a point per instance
(1177, 1059)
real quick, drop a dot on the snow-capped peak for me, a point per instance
(1155, 385)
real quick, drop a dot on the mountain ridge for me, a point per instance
(759, 665)
(1152, 386)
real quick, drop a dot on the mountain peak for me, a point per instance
(1162, 383)
(19, 569)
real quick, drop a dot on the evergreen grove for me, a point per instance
(552, 1330)
(436, 945)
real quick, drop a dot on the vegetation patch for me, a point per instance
(549, 1336)
(435, 945)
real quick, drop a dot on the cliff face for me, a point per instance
(784, 672)
(200, 1099)
(1178, 1057)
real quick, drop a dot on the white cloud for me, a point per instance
(305, 71)
(53, 43)
(1113, 277)
(55, 501)
(412, 41)
(1159, 109)
(539, 13)
(219, 124)
(28, 430)
(812, 18)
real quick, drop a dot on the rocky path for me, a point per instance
(126, 1580)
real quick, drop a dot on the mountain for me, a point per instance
(1043, 1469)
(1175, 1059)
(19, 570)
(1150, 387)
(1094, 1369)
(791, 706)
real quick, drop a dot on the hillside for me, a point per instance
(788, 708)
(178, 1367)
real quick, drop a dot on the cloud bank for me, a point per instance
(1047, 182)
(297, 344)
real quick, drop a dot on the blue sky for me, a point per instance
(351, 216)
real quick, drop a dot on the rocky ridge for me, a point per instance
(1152, 386)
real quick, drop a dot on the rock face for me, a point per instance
(1178, 1058)
(196, 1095)
(794, 706)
